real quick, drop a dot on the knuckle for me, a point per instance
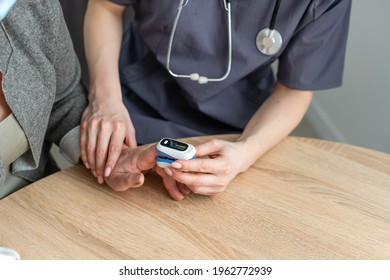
(214, 142)
(93, 122)
(226, 168)
(119, 126)
(83, 125)
(104, 125)
(91, 149)
(203, 166)
(114, 149)
(100, 152)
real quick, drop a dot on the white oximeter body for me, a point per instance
(170, 150)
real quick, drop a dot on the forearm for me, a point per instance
(103, 35)
(106, 123)
(273, 121)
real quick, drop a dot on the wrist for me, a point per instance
(250, 150)
(104, 92)
(104, 84)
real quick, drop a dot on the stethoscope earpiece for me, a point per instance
(269, 42)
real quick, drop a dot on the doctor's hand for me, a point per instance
(218, 162)
(105, 127)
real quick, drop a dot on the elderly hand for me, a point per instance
(134, 163)
(131, 166)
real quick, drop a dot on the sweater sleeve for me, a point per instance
(71, 96)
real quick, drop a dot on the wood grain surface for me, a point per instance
(305, 199)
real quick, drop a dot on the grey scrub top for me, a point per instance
(312, 58)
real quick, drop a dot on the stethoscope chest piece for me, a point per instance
(269, 42)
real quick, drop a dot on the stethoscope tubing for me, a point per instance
(268, 41)
(196, 76)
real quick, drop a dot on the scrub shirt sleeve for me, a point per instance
(124, 2)
(314, 57)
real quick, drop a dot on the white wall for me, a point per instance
(359, 112)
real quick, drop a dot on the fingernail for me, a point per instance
(100, 180)
(86, 165)
(107, 172)
(168, 171)
(176, 165)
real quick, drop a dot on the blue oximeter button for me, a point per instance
(164, 162)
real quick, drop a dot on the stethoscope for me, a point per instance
(268, 41)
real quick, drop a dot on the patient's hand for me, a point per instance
(131, 166)
(134, 163)
(5, 110)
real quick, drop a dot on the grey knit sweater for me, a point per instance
(41, 80)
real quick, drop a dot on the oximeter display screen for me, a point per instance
(173, 144)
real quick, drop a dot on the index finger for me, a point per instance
(202, 165)
(114, 151)
(210, 147)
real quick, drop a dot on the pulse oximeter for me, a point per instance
(170, 150)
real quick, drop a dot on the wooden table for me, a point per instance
(305, 199)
